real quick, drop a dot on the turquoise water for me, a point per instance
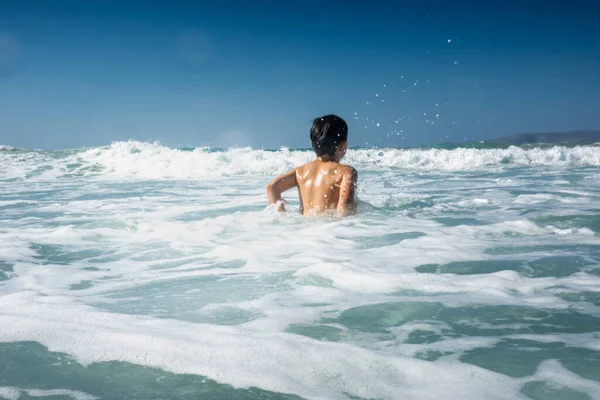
(135, 271)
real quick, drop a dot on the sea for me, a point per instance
(139, 271)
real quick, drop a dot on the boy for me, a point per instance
(324, 184)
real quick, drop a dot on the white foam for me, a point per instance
(536, 198)
(106, 270)
(13, 393)
(10, 393)
(273, 361)
(552, 371)
(153, 161)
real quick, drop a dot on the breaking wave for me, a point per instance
(153, 161)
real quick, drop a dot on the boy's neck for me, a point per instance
(328, 159)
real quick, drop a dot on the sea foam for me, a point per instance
(468, 273)
(154, 161)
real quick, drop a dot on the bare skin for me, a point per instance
(324, 185)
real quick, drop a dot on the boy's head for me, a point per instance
(327, 133)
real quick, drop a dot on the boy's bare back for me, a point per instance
(324, 184)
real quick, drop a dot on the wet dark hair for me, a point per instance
(326, 133)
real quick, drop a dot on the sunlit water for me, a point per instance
(136, 271)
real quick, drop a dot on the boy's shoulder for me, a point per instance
(308, 166)
(348, 170)
(314, 168)
(316, 164)
(342, 168)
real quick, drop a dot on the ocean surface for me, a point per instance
(137, 271)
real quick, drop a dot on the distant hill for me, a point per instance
(549, 137)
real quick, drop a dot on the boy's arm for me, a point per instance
(347, 202)
(280, 185)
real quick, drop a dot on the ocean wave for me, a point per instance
(153, 161)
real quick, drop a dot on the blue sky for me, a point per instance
(86, 73)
